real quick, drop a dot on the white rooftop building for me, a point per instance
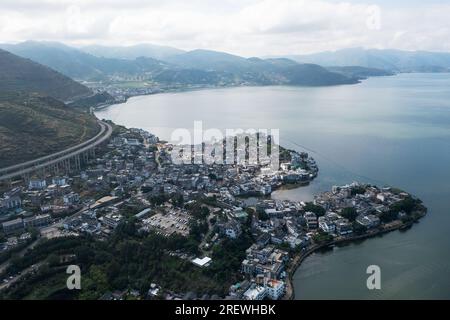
(203, 262)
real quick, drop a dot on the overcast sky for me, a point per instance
(245, 27)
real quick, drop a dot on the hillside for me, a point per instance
(33, 120)
(32, 126)
(19, 74)
(360, 72)
(81, 65)
(314, 75)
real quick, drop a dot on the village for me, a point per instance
(134, 178)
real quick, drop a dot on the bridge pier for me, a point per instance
(57, 163)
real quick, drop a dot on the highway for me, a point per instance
(43, 162)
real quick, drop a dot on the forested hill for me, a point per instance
(32, 126)
(24, 75)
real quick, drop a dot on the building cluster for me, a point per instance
(368, 202)
(121, 88)
(290, 224)
(13, 241)
(135, 176)
(283, 222)
(136, 168)
(265, 266)
(36, 204)
(227, 183)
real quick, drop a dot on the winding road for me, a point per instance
(52, 159)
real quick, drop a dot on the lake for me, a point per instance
(386, 131)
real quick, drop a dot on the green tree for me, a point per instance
(322, 238)
(53, 260)
(263, 216)
(407, 205)
(349, 213)
(318, 210)
(358, 190)
(359, 228)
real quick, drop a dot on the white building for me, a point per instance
(326, 226)
(275, 289)
(272, 289)
(255, 292)
(37, 221)
(59, 181)
(203, 262)
(71, 198)
(311, 220)
(37, 184)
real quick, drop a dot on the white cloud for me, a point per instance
(248, 27)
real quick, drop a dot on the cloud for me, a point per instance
(246, 27)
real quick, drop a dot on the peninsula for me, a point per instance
(142, 227)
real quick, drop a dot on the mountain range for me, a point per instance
(81, 65)
(391, 60)
(197, 67)
(132, 52)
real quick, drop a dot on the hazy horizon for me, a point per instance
(246, 28)
(80, 47)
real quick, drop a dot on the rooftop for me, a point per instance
(203, 262)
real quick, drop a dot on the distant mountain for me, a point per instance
(19, 74)
(190, 77)
(314, 75)
(392, 60)
(64, 59)
(197, 68)
(232, 69)
(80, 65)
(360, 72)
(209, 60)
(132, 52)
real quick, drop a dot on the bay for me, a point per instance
(386, 131)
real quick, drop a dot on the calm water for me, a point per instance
(389, 131)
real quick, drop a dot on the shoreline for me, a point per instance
(193, 89)
(175, 90)
(300, 257)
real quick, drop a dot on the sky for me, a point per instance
(243, 27)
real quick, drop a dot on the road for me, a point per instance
(6, 264)
(4, 285)
(40, 163)
(29, 166)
